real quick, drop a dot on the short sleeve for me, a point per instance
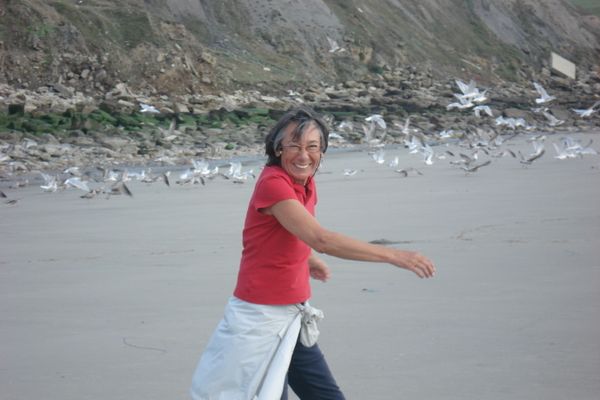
(271, 190)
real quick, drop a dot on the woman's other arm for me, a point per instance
(318, 268)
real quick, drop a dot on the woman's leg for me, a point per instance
(309, 375)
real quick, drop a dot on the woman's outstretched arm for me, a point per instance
(297, 220)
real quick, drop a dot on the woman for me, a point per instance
(257, 340)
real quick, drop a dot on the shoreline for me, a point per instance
(250, 157)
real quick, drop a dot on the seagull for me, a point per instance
(333, 45)
(50, 183)
(479, 109)
(404, 128)
(346, 126)
(120, 188)
(372, 141)
(446, 134)
(544, 97)
(379, 156)
(414, 144)
(394, 163)
(563, 154)
(587, 150)
(350, 172)
(586, 112)
(552, 120)
(147, 108)
(77, 183)
(235, 172)
(532, 158)
(463, 103)
(73, 171)
(428, 154)
(505, 153)
(576, 147)
(235, 168)
(470, 92)
(91, 194)
(377, 119)
(405, 171)
(336, 136)
(537, 138)
(474, 168)
(538, 146)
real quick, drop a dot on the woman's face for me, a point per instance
(300, 159)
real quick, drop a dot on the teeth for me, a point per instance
(302, 166)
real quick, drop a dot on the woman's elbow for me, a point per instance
(322, 242)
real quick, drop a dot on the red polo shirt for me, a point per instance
(274, 266)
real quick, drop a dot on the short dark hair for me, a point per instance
(302, 117)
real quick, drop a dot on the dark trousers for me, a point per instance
(310, 377)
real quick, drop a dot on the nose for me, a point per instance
(303, 152)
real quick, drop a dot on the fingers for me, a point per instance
(419, 264)
(424, 267)
(321, 273)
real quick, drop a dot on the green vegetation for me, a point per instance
(587, 6)
(41, 31)
(126, 28)
(131, 28)
(98, 120)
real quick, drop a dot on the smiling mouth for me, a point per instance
(304, 166)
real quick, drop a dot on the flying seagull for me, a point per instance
(120, 188)
(479, 109)
(470, 92)
(405, 171)
(528, 161)
(147, 108)
(586, 112)
(544, 96)
(474, 168)
(377, 119)
(552, 120)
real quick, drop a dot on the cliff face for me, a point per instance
(179, 46)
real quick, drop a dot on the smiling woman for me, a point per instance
(257, 348)
(299, 149)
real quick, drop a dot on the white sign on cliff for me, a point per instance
(562, 65)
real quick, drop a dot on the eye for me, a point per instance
(313, 148)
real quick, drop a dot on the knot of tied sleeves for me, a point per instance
(309, 330)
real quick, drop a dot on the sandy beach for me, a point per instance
(115, 299)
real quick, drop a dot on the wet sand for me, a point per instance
(115, 299)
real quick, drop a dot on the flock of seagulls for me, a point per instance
(102, 182)
(488, 144)
(472, 150)
(476, 149)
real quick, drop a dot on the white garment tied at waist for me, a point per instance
(249, 353)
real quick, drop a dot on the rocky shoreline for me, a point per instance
(55, 127)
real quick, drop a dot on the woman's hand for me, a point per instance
(318, 269)
(415, 262)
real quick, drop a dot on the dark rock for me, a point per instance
(16, 109)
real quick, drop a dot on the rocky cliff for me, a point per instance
(206, 46)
